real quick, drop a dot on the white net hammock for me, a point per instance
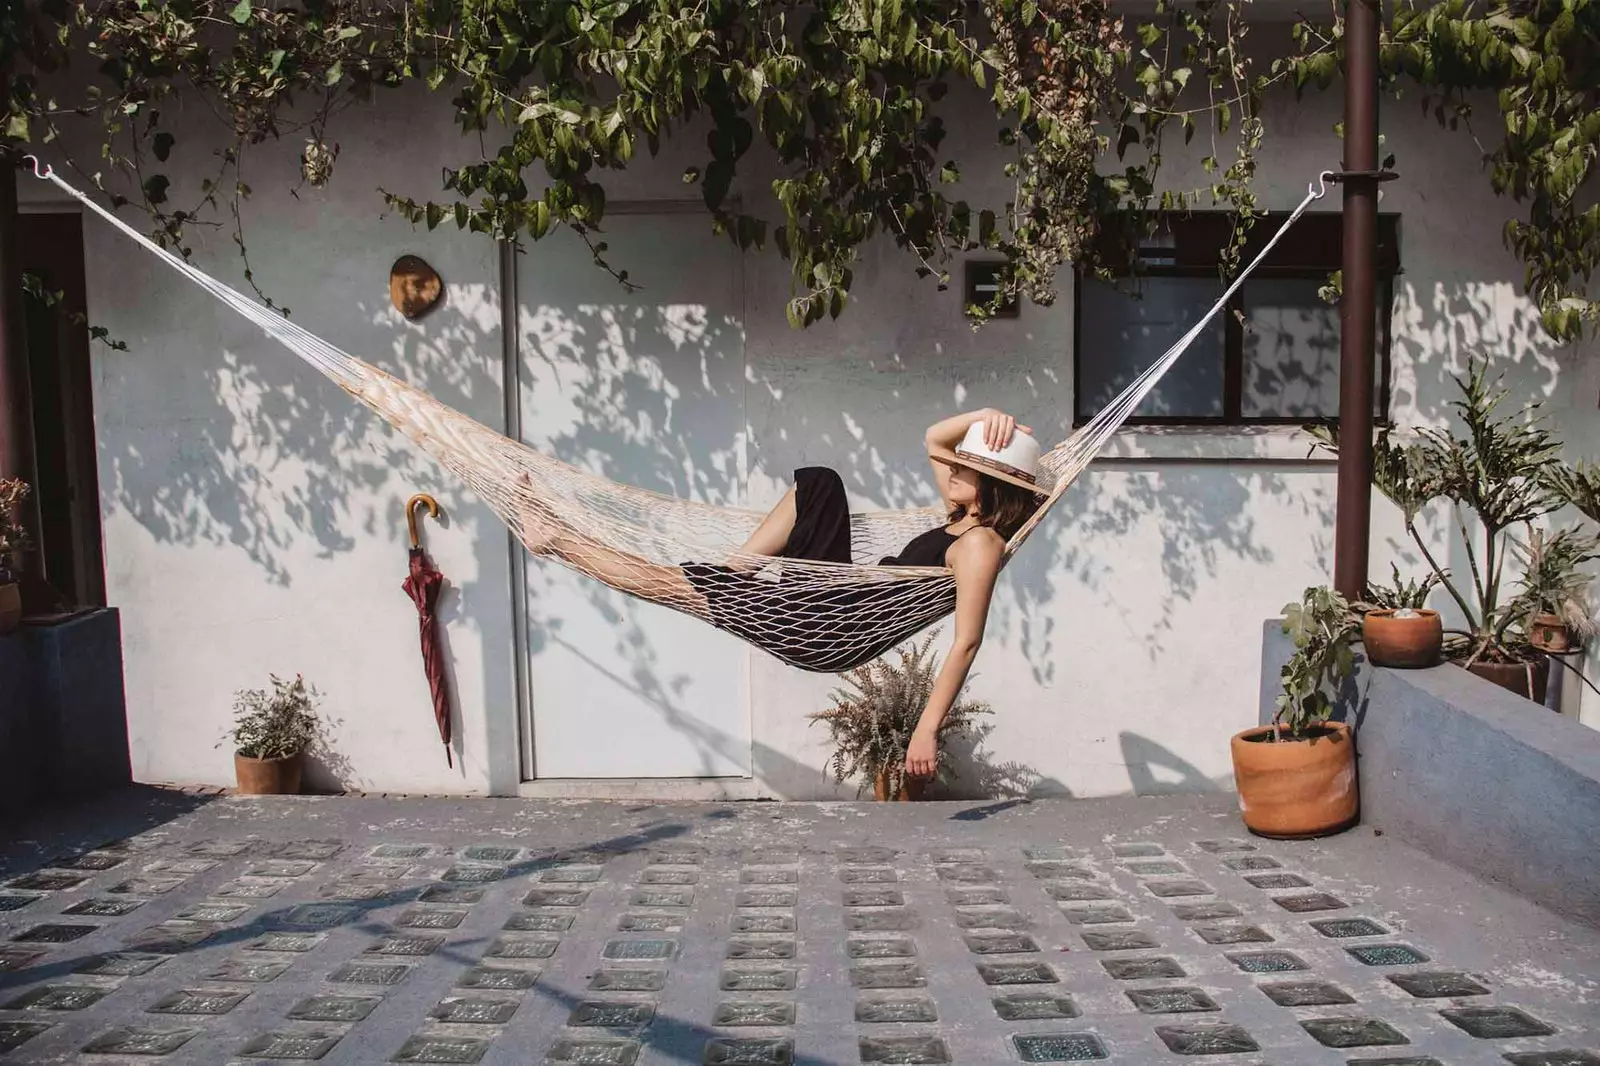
(817, 616)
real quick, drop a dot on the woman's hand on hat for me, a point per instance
(998, 428)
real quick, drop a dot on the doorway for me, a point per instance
(644, 386)
(65, 479)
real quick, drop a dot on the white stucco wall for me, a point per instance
(253, 513)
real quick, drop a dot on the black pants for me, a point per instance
(815, 625)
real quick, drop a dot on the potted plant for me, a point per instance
(13, 540)
(1553, 604)
(1503, 472)
(874, 715)
(270, 734)
(1297, 776)
(1397, 628)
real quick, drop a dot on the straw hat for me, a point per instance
(1017, 462)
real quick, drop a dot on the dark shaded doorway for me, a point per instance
(65, 477)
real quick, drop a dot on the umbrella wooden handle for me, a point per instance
(424, 500)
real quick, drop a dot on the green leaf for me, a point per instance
(241, 12)
(335, 72)
(435, 215)
(348, 32)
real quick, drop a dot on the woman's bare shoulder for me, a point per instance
(978, 545)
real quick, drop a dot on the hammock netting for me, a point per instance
(813, 615)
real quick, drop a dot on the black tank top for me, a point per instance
(926, 549)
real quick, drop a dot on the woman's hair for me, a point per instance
(1001, 505)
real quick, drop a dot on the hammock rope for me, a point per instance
(817, 616)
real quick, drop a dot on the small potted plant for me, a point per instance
(270, 734)
(13, 540)
(1397, 628)
(1553, 601)
(874, 715)
(1297, 776)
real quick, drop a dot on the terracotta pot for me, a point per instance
(1402, 643)
(1296, 788)
(910, 788)
(1514, 677)
(1549, 633)
(267, 777)
(10, 608)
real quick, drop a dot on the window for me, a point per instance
(1271, 356)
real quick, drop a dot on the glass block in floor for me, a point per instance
(1143, 969)
(769, 1051)
(1206, 1039)
(1059, 1047)
(1344, 928)
(758, 1013)
(14, 1034)
(881, 1010)
(1171, 1000)
(1035, 1008)
(1497, 1023)
(596, 1052)
(137, 1040)
(1437, 985)
(1387, 955)
(441, 1049)
(1353, 1032)
(303, 1045)
(1306, 994)
(1310, 902)
(334, 1008)
(908, 1050)
(1130, 940)
(1267, 961)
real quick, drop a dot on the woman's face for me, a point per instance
(963, 486)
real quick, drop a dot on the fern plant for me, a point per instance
(877, 709)
(276, 724)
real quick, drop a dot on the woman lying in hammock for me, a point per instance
(827, 619)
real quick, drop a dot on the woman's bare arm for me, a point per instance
(975, 558)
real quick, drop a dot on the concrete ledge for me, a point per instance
(63, 723)
(1476, 776)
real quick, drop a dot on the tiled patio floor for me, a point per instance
(361, 930)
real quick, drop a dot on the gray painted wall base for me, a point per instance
(1471, 773)
(63, 722)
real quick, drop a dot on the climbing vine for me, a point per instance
(838, 108)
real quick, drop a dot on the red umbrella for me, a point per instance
(423, 586)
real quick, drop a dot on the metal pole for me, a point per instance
(1353, 511)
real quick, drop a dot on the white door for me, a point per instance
(647, 389)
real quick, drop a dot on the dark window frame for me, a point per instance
(1311, 251)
